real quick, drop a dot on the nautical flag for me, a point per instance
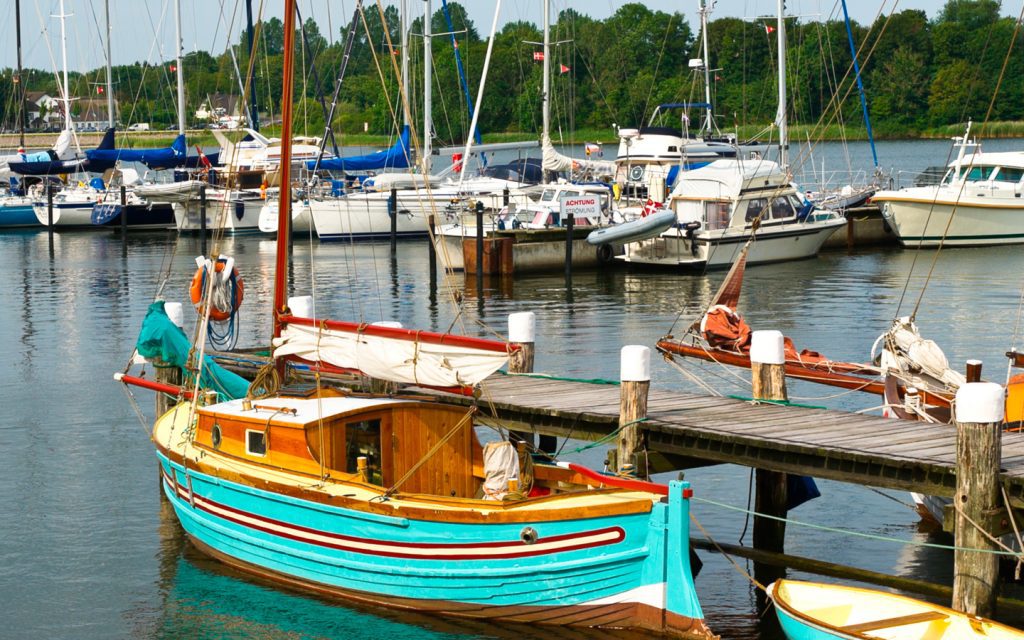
(99, 89)
(564, 69)
(591, 148)
(768, 28)
(538, 56)
(650, 207)
(173, 68)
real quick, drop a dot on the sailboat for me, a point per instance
(391, 500)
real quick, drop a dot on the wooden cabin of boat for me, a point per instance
(372, 442)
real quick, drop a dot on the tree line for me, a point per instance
(919, 73)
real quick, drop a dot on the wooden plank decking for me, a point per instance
(699, 429)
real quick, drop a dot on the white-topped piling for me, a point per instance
(768, 376)
(522, 331)
(978, 413)
(635, 384)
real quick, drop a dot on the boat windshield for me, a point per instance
(1010, 174)
(548, 195)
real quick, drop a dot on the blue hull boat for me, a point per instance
(140, 216)
(17, 212)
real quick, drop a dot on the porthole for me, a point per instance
(215, 436)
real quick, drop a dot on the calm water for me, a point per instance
(90, 549)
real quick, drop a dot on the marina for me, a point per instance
(712, 387)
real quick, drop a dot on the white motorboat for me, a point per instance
(720, 206)
(302, 220)
(977, 203)
(227, 210)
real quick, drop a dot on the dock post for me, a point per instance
(480, 250)
(973, 373)
(635, 376)
(504, 197)
(432, 250)
(570, 222)
(979, 413)
(124, 215)
(393, 212)
(202, 215)
(49, 209)
(521, 333)
(767, 367)
(169, 374)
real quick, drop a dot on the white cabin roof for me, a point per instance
(1013, 159)
(306, 410)
(727, 177)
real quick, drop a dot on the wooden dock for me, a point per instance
(694, 430)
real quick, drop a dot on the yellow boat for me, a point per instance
(815, 611)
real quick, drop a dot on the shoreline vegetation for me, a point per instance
(763, 134)
(922, 76)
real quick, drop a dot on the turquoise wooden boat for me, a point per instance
(302, 491)
(815, 611)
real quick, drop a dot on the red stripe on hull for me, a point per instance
(336, 540)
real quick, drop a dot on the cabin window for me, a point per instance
(979, 174)
(782, 208)
(548, 195)
(363, 439)
(215, 436)
(1007, 174)
(754, 209)
(716, 215)
(255, 442)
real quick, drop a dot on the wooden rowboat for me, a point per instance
(815, 611)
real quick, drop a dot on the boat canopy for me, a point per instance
(106, 155)
(397, 157)
(161, 339)
(726, 178)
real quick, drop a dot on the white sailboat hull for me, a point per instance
(920, 217)
(302, 220)
(239, 216)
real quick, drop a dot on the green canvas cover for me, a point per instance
(160, 339)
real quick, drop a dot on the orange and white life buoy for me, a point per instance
(227, 289)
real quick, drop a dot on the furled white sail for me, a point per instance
(386, 358)
(904, 350)
(554, 161)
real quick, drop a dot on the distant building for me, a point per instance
(43, 110)
(91, 114)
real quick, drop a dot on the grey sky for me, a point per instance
(144, 29)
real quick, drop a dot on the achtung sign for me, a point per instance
(585, 206)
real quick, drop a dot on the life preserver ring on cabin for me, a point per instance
(227, 291)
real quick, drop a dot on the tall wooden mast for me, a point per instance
(284, 212)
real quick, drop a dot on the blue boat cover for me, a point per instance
(161, 339)
(397, 157)
(106, 155)
(50, 167)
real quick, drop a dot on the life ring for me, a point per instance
(227, 292)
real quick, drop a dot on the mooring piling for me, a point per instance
(432, 250)
(767, 358)
(635, 385)
(979, 411)
(393, 213)
(521, 334)
(570, 223)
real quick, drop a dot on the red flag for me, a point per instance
(173, 68)
(768, 28)
(564, 69)
(99, 89)
(650, 207)
(538, 56)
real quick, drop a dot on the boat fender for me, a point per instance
(239, 209)
(228, 289)
(605, 253)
